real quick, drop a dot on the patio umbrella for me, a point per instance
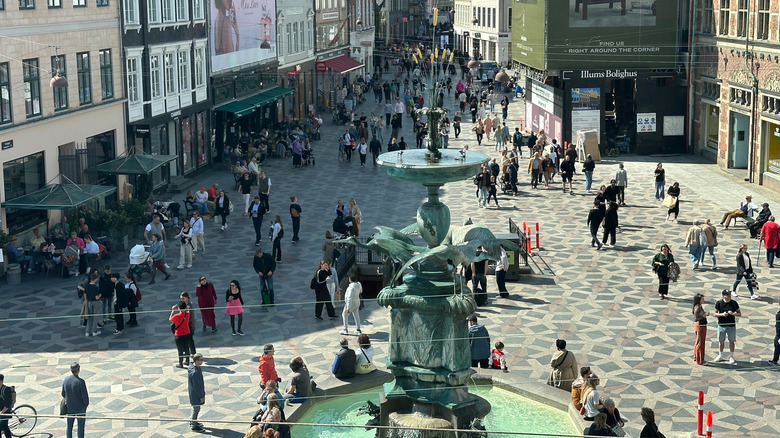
(59, 197)
(135, 164)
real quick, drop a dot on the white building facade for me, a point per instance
(482, 29)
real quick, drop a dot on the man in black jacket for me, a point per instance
(265, 267)
(761, 219)
(610, 224)
(376, 148)
(776, 342)
(196, 391)
(122, 301)
(595, 218)
(344, 363)
(107, 293)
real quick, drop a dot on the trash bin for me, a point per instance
(14, 273)
(513, 257)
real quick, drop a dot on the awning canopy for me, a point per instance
(248, 104)
(59, 197)
(343, 64)
(135, 164)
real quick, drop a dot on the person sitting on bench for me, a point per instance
(761, 219)
(746, 210)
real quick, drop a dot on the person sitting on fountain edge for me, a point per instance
(343, 366)
(479, 340)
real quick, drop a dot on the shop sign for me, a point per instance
(330, 15)
(320, 66)
(367, 43)
(477, 35)
(645, 122)
(8, 144)
(600, 74)
(175, 114)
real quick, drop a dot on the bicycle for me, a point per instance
(23, 420)
(613, 152)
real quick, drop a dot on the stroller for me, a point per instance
(342, 226)
(140, 261)
(307, 157)
(506, 186)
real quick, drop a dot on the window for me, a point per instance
(58, 66)
(510, 18)
(310, 46)
(153, 8)
(707, 22)
(182, 10)
(131, 11)
(2, 5)
(79, 3)
(5, 95)
(133, 80)
(288, 32)
(197, 10)
(300, 36)
(154, 68)
(167, 10)
(723, 24)
(21, 177)
(55, 4)
(200, 67)
(32, 87)
(26, 4)
(170, 74)
(102, 2)
(762, 27)
(85, 78)
(106, 74)
(184, 70)
(295, 38)
(742, 17)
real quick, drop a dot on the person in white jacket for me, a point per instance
(352, 304)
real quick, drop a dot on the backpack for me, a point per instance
(12, 390)
(281, 233)
(137, 292)
(476, 180)
(703, 238)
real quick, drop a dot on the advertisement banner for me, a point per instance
(539, 119)
(627, 34)
(242, 32)
(528, 32)
(585, 110)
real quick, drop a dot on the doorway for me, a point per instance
(620, 109)
(739, 124)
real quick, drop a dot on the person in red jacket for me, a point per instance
(267, 366)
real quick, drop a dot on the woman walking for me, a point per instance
(234, 305)
(660, 180)
(295, 218)
(588, 168)
(222, 207)
(488, 124)
(185, 237)
(492, 190)
(744, 270)
(319, 284)
(611, 224)
(661, 263)
(674, 191)
(207, 299)
(362, 148)
(354, 212)
(479, 129)
(180, 323)
(277, 232)
(158, 255)
(699, 329)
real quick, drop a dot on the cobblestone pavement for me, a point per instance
(602, 302)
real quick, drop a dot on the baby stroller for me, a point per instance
(140, 261)
(506, 186)
(307, 158)
(342, 226)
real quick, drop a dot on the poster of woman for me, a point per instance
(242, 32)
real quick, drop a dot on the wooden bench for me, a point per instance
(586, 3)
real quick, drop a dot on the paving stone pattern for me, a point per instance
(604, 303)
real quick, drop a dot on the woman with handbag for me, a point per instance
(744, 270)
(672, 201)
(661, 263)
(185, 254)
(365, 355)
(222, 207)
(234, 305)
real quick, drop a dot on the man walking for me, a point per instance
(154, 227)
(196, 390)
(479, 341)
(621, 178)
(265, 267)
(74, 390)
(256, 212)
(376, 148)
(693, 242)
(295, 218)
(265, 190)
(198, 237)
(726, 310)
(93, 306)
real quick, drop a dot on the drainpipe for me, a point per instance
(691, 44)
(753, 104)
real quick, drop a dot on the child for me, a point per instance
(267, 366)
(497, 359)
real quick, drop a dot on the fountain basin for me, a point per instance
(510, 412)
(413, 166)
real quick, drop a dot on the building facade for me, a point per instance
(334, 65)
(295, 27)
(482, 29)
(47, 131)
(736, 88)
(165, 70)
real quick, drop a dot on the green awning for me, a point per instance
(135, 164)
(59, 197)
(248, 104)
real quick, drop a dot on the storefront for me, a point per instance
(301, 79)
(335, 76)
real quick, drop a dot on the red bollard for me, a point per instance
(700, 414)
(537, 235)
(709, 424)
(524, 227)
(528, 239)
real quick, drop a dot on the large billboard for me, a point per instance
(627, 33)
(242, 32)
(528, 31)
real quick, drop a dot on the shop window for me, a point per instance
(26, 4)
(5, 93)
(723, 24)
(707, 24)
(85, 78)
(773, 147)
(762, 25)
(187, 147)
(53, 4)
(742, 18)
(79, 3)
(200, 138)
(58, 66)
(32, 87)
(21, 177)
